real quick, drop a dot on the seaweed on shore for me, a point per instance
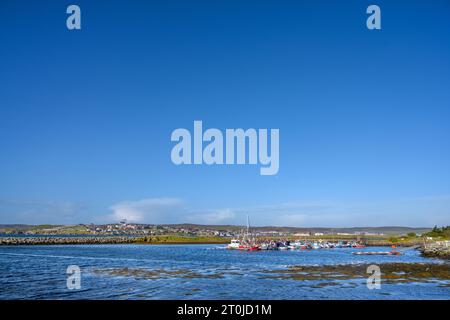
(390, 272)
(153, 274)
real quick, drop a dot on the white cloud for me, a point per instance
(148, 210)
(420, 211)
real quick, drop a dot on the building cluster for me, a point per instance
(132, 229)
(123, 228)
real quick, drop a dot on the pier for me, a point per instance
(65, 240)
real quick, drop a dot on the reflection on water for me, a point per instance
(211, 272)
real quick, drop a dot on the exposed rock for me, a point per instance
(440, 249)
(64, 240)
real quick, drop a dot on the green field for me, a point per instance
(175, 239)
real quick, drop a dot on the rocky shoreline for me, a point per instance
(439, 249)
(346, 275)
(391, 273)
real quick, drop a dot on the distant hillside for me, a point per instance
(21, 227)
(79, 228)
(385, 230)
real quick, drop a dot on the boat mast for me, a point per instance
(250, 236)
(248, 225)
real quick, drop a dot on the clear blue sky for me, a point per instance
(364, 116)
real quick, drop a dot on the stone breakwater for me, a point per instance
(440, 249)
(64, 240)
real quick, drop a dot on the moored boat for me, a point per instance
(234, 244)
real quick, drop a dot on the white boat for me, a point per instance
(316, 245)
(234, 244)
(295, 245)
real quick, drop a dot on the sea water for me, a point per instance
(192, 272)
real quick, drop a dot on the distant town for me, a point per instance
(197, 230)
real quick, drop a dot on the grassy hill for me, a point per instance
(81, 229)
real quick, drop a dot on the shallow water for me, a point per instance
(193, 272)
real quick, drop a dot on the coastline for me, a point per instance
(86, 240)
(439, 249)
(435, 250)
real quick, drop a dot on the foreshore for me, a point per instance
(439, 249)
(393, 273)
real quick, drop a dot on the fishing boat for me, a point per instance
(247, 241)
(295, 245)
(234, 244)
(345, 244)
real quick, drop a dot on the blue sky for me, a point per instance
(364, 116)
